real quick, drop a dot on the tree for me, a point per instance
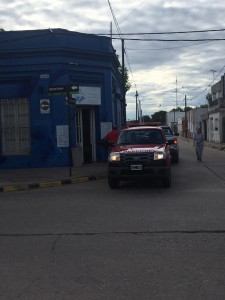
(159, 116)
(204, 106)
(188, 108)
(126, 78)
(146, 118)
(177, 109)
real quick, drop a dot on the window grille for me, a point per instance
(15, 126)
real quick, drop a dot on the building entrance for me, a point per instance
(86, 134)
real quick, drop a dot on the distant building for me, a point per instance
(172, 119)
(37, 128)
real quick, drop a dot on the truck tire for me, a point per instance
(113, 183)
(176, 158)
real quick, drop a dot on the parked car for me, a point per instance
(174, 146)
(140, 152)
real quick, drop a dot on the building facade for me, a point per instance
(217, 112)
(60, 93)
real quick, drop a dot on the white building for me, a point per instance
(172, 119)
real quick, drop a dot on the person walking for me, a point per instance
(198, 142)
(112, 136)
(110, 139)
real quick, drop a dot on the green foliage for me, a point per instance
(188, 108)
(177, 109)
(146, 118)
(126, 78)
(159, 116)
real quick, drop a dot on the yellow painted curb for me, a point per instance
(50, 184)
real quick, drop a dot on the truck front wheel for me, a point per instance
(166, 181)
(113, 183)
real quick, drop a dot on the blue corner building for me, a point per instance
(60, 93)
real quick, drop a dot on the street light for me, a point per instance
(213, 71)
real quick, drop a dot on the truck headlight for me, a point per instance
(113, 156)
(159, 155)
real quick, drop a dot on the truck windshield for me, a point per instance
(140, 137)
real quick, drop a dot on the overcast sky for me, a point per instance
(162, 72)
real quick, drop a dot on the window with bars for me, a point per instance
(14, 126)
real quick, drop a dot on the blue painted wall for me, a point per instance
(31, 61)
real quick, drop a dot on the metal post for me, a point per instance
(69, 133)
(123, 84)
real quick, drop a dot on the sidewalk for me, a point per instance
(219, 146)
(23, 179)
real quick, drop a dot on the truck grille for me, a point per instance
(136, 157)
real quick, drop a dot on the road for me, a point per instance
(138, 242)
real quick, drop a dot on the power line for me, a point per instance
(132, 11)
(175, 32)
(115, 20)
(170, 40)
(168, 48)
(120, 34)
(208, 85)
(170, 32)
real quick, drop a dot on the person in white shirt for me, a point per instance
(198, 142)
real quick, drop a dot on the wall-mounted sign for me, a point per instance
(88, 95)
(44, 106)
(44, 76)
(63, 89)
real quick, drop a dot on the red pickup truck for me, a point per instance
(140, 152)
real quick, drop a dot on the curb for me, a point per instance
(54, 183)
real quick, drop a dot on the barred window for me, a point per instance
(14, 126)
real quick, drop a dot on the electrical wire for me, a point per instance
(173, 32)
(206, 40)
(131, 12)
(169, 48)
(208, 85)
(171, 40)
(121, 38)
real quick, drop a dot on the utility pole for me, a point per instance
(123, 83)
(111, 30)
(136, 95)
(185, 110)
(174, 111)
(176, 93)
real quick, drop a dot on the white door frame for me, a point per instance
(79, 131)
(93, 135)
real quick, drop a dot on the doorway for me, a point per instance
(85, 135)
